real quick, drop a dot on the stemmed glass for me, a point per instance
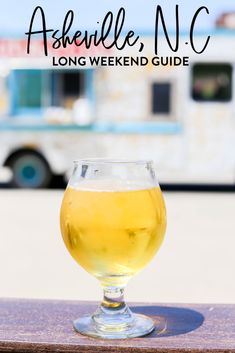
(113, 221)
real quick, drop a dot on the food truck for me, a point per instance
(181, 117)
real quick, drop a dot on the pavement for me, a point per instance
(195, 264)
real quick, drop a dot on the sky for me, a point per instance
(140, 15)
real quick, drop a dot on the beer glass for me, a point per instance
(113, 222)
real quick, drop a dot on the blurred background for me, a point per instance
(181, 117)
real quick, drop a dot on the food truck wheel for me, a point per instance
(29, 170)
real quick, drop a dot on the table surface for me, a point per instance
(46, 326)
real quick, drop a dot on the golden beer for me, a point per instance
(113, 232)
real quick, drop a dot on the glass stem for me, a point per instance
(113, 313)
(113, 298)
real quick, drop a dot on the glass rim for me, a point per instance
(112, 161)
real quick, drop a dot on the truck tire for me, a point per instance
(29, 170)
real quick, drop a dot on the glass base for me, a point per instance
(140, 326)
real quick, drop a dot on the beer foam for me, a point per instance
(112, 185)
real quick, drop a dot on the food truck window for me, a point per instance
(212, 82)
(67, 86)
(34, 90)
(71, 82)
(29, 88)
(161, 93)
